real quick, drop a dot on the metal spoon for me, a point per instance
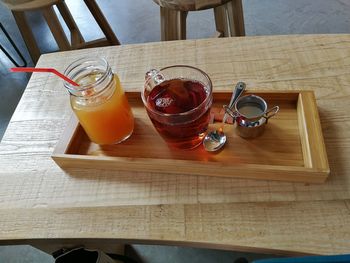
(214, 140)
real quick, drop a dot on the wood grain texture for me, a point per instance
(191, 224)
(289, 150)
(39, 200)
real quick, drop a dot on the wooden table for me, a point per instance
(42, 204)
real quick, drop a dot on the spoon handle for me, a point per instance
(240, 87)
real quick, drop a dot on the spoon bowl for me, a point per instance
(216, 139)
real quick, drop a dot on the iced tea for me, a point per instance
(180, 101)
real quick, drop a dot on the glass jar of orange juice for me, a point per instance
(99, 101)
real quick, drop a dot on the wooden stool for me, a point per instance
(19, 7)
(228, 14)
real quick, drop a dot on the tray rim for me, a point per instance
(315, 169)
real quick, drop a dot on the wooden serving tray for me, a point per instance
(291, 148)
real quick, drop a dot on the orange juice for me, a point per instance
(104, 114)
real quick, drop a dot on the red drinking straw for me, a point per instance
(52, 70)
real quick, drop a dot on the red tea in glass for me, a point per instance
(179, 107)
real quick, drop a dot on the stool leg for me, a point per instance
(235, 17)
(173, 24)
(76, 36)
(221, 22)
(14, 47)
(182, 27)
(56, 28)
(102, 22)
(27, 35)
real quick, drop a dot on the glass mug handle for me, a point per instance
(155, 76)
(271, 112)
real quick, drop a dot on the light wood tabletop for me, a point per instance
(42, 204)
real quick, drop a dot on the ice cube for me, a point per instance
(164, 102)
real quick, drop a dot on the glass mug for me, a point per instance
(99, 101)
(178, 100)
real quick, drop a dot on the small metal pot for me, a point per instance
(251, 115)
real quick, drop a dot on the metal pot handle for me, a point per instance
(271, 112)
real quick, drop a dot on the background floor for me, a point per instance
(138, 22)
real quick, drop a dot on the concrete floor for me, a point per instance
(138, 24)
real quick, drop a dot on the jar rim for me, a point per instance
(75, 68)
